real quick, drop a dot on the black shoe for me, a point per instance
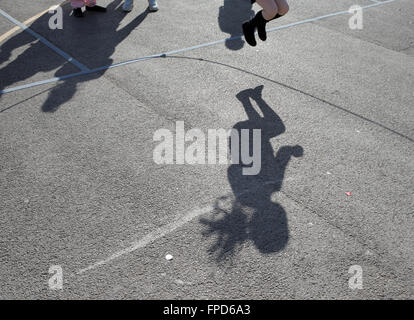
(248, 31)
(96, 8)
(261, 26)
(77, 12)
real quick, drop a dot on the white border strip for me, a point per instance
(44, 41)
(161, 55)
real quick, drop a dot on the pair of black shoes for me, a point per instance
(249, 28)
(77, 12)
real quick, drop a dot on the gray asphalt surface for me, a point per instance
(80, 189)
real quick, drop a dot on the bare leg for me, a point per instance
(270, 8)
(282, 6)
(273, 7)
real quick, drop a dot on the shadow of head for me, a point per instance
(231, 16)
(261, 221)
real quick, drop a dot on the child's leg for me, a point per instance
(276, 10)
(77, 3)
(259, 21)
(282, 6)
(91, 6)
(269, 12)
(90, 3)
(270, 8)
(77, 7)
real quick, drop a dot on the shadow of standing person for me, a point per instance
(98, 45)
(92, 40)
(250, 214)
(231, 16)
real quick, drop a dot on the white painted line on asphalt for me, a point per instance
(151, 237)
(160, 55)
(327, 16)
(165, 230)
(44, 41)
